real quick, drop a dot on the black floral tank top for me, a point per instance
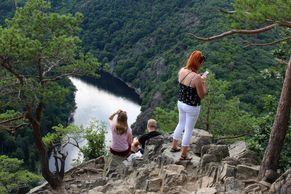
(187, 94)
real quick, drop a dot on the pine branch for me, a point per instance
(232, 32)
(268, 43)
(281, 61)
(285, 24)
(10, 120)
(60, 77)
(232, 137)
(226, 11)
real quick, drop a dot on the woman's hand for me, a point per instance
(203, 79)
(201, 86)
(116, 113)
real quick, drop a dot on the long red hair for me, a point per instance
(194, 61)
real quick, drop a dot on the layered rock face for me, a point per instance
(223, 169)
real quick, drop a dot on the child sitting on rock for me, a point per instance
(138, 144)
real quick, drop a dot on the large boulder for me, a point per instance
(213, 153)
(115, 166)
(140, 178)
(220, 151)
(154, 147)
(199, 139)
(173, 175)
(226, 171)
(247, 172)
(154, 184)
(240, 151)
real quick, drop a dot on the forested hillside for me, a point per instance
(146, 42)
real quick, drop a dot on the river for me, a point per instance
(97, 100)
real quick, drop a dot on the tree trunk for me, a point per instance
(207, 118)
(271, 158)
(54, 180)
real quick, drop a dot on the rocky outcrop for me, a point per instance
(227, 169)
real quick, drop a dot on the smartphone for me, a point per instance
(205, 73)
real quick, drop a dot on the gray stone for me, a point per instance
(206, 181)
(237, 148)
(199, 139)
(139, 192)
(100, 182)
(232, 184)
(240, 151)
(231, 161)
(220, 151)
(154, 148)
(246, 172)
(207, 158)
(174, 175)
(227, 171)
(114, 165)
(201, 133)
(170, 157)
(153, 185)
(175, 190)
(198, 142)
(206, 191)
(140, 178)
(94, 192)
(137, 163)
(250, 160)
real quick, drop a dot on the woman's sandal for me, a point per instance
(185, 157)
(175, 149)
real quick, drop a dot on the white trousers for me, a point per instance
(188, 116)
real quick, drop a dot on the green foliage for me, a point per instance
(167, 119)
(223, 116)
(260, 137)
(220, 115)
(61, 133)
(261, 10)
(38, 50)
(13, 179)
(95, 146)
(94, 135)
(9, 114)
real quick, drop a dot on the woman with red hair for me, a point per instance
(192, 88)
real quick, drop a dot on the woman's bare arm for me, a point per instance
(112, 116)
(200, 84)
(129, 140)
(110, 119)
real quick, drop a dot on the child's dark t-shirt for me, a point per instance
(142, 139)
